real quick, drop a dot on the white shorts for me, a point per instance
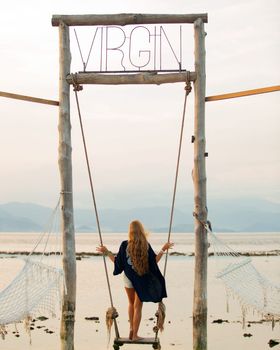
(127, 282)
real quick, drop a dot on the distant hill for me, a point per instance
(243, 215)
(13, 223)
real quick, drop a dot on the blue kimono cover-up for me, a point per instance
(150, 286)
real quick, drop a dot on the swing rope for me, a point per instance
(160, 314)
(188, 89)
(77, 88)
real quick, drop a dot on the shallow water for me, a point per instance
(93, 299)
(184, 242)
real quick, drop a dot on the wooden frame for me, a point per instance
(199, 173)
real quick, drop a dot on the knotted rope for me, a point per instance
(77, 88)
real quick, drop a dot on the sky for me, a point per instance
(132, 132)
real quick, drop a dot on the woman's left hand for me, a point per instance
(102, 249)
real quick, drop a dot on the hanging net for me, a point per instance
(243, 281)
(37, 287)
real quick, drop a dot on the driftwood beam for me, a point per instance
(258, 91)
(121, 79)
(29, 98)
(123, 19)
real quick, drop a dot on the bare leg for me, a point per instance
(131, 299)
(137, 317)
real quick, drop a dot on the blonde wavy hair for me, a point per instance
(138, 247)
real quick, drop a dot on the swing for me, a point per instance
(119, 341)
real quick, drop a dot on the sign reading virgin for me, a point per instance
(135, 48)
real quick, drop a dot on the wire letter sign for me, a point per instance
(134, 48)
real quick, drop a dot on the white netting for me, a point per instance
(245, 282)
(34, 290)
(37, 287)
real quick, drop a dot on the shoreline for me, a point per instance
(274, 252)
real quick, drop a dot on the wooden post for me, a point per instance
(65, 167)
(199, 179)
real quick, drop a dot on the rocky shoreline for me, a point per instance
(80, 255)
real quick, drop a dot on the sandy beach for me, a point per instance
(93, 299)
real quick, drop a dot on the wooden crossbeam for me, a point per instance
(243, 93)
(92, 78)
(29, 98)
(139, 78)
(123, 19)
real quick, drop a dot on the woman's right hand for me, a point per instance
(167, 246)
(104, 250)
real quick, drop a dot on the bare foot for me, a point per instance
(135, 338)
(130, 334)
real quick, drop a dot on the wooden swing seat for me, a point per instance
(146, 341)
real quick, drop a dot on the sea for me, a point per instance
(92, 295)
(257, 242)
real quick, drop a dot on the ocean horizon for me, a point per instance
(184, 242)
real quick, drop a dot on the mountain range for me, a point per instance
(235, 215)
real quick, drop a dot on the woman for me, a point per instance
(143, 280)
